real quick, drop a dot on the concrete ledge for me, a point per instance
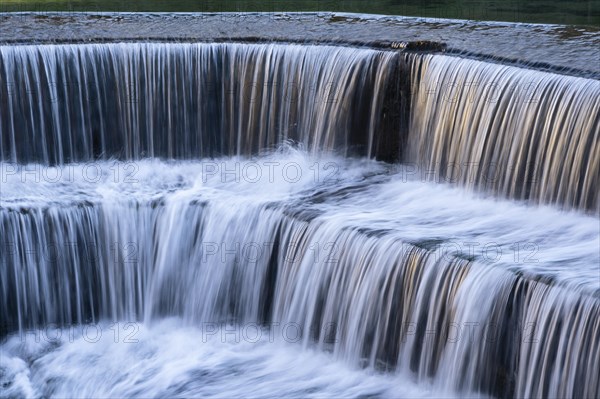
(562, 49)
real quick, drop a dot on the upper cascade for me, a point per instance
(518, 133)
(72, 103)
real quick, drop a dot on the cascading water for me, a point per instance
(503, 128)
(74, 103)
(111, 212)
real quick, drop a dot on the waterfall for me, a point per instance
(520, 133)
(72, 103)
(230, 184)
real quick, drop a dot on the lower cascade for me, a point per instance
(172, 214)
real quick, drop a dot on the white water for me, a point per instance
(196, 240)
(407, 286)
(519, 133)
(171, 360)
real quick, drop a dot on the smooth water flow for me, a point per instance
(80, 102)
(521, 134)
(218, 212)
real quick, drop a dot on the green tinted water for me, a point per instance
(572, 12)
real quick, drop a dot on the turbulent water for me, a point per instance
(209, 220)
(171, 360)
